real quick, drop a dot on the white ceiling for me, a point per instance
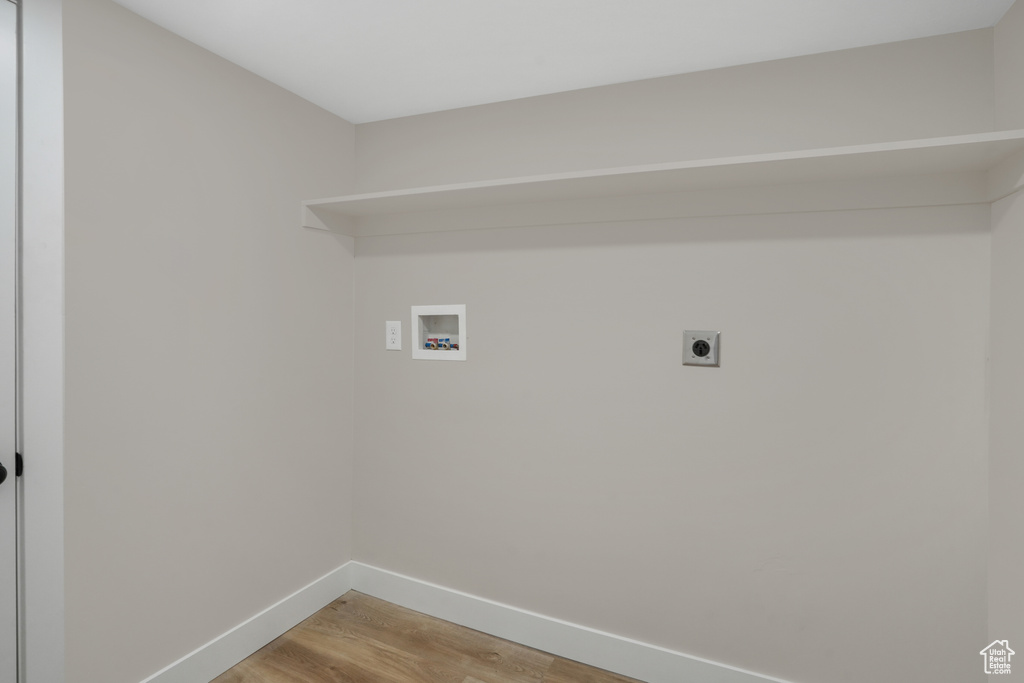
(368, 60)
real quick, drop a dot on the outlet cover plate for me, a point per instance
(393, 335)
(700, 347)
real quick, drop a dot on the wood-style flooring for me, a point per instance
(360, 639)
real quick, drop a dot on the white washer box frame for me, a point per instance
(420, 353)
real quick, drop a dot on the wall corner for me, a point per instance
(1009, 69)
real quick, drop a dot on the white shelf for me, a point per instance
(964, 156)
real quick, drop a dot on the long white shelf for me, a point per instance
(976, 156)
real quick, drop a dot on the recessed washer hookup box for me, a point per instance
(439, 332)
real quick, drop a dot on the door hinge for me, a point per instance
(19, 465)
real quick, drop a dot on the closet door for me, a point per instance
(8, 359)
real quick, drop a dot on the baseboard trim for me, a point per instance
(621, 655)
(226, 650)
(614, 653)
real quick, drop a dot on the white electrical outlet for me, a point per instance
(393, 335)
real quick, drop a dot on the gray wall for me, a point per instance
(1006, 370)
(1006, 467)
(919, 88)
(209, 355)
(814, 509)
(1009, 69)
(814, 514)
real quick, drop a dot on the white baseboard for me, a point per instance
(624, 656)
(228, 649)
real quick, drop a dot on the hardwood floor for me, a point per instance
(360, 639)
